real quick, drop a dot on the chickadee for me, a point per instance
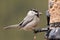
(48, 17)
(29, 22)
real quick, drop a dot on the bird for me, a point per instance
(29, 22)
(48, 17)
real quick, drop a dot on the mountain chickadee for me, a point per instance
(29, 22)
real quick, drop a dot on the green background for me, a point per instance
(13, 11)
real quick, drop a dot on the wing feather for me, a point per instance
(26, 20)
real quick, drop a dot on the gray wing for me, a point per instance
(26, 20)
(47, 13)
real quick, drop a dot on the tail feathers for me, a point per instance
(11, 26)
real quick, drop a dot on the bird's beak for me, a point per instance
(40, 13)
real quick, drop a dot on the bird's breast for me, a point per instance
(32, 24)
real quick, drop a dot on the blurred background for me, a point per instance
(13, 11)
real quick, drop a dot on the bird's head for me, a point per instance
(34, 12)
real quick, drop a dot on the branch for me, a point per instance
(41, 30)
